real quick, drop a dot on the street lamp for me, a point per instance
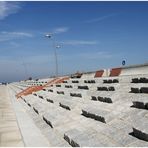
(50, 35)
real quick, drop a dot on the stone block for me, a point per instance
(139, 134)
(49, 100)
(94, 114)
(135, 90)
(67, 138)
(70, 135)
(140, 80)
(48, 122)
(41, 97)
(92, 81)
(64, 106)
(94, 98)
(138, 104)
(60, 92)
(39, 107)
(99, 118)
(83, 138)
(101, 99)
(35, 110)
(29, 104)
(91, 115)
(74, 144)
(111, 88)
(102, 89)
(76, 95)
(146, 105)
(108, 100)
(115, 81)
(89, 81)
(135, 80)
(143, 80)
(75, 81)
(85, 113)
(144, 89)
(50, 90)
(68, 86)
(83, 87)
(105, 81)
(109, 81)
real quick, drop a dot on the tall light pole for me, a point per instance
(50, 35)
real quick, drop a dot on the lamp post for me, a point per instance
(55, 47)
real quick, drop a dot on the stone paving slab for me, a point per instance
(10, 134)
(52, 136)
(31, 134)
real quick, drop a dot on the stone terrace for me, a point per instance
(103, 108)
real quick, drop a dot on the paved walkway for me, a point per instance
(31, 134)
(10, 134)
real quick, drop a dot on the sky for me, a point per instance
(91, 36)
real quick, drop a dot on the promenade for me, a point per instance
(10, 134)
(17, 129)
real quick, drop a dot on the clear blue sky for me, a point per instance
(92, 36)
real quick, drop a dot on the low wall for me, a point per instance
(88, 75)
(134, 70)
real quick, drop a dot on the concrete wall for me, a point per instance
(125, 71)
(88, 75)
(134, 70)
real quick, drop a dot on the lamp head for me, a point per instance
(49, 35)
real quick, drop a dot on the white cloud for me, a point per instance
(60, 30)
(99, 18)
(79, 42)
(18, 34)
(7, 8)
(6, 36)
